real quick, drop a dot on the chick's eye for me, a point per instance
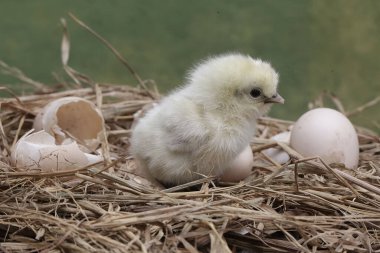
(255, 93)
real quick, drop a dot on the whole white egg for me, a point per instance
(240, 168)
(326, 133)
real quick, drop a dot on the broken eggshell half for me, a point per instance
(38, 151)
(72, 117)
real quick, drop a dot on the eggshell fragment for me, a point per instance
(240, 167)
(278, 154)
(326, 133)
(73, 116)
(38, 151)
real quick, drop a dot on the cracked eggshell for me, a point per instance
(38, 151)
(278, 154)
(326, 133)
(240, 167)
(76, 116)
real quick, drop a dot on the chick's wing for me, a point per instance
(184, 127)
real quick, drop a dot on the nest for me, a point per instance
(305, 205)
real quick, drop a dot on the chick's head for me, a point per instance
(235, 83)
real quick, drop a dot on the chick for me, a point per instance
(200, 128)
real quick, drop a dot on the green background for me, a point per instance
(314, 45)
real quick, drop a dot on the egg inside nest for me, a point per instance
(328, 134)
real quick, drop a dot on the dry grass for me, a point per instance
(304, 206)
(328, 208)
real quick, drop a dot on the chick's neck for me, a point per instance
(222, 113)
(228, 119)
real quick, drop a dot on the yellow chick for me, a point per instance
(200, 128)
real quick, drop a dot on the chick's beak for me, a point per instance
(275, 99)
